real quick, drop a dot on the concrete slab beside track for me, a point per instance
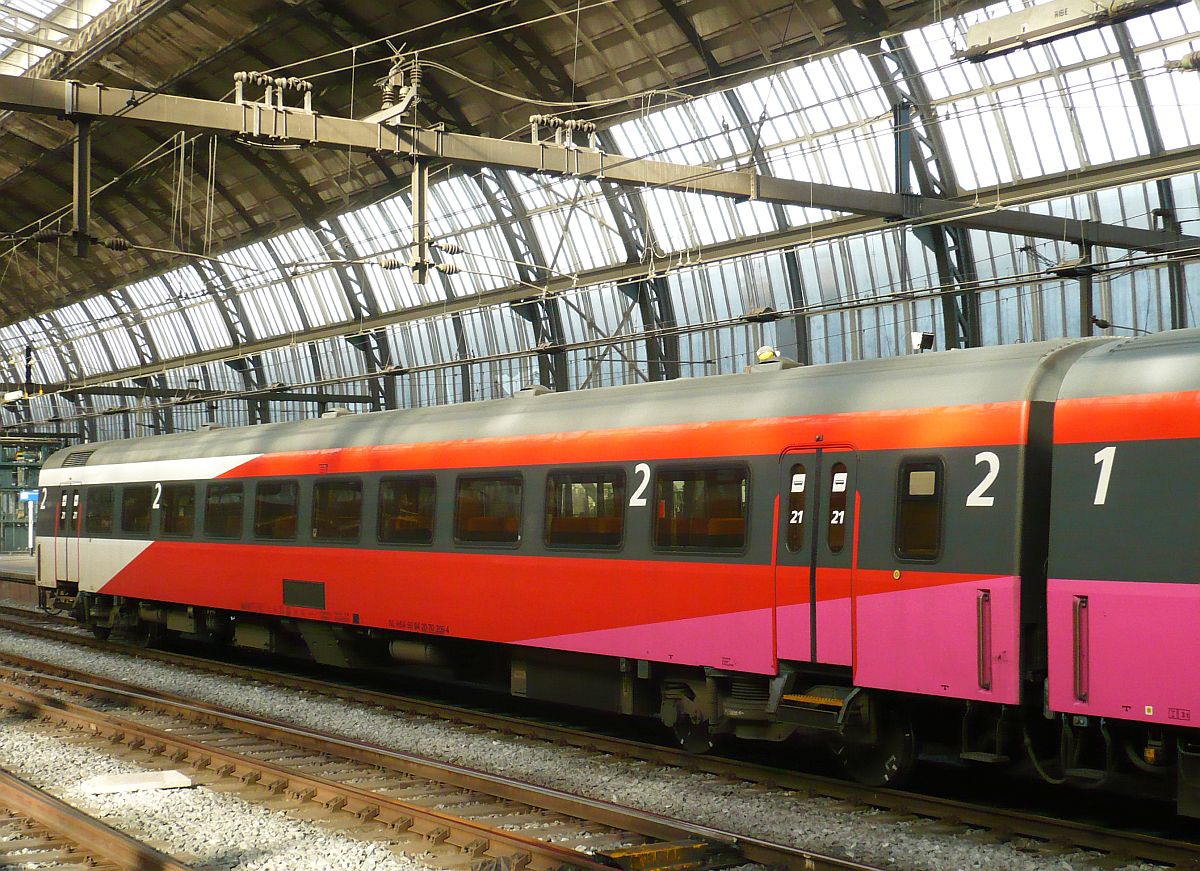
(17, 574)
(41, 830)
(16, 567)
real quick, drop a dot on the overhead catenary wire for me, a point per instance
(199, 298)
(903, 296)
(483, 359)
(782, 150)
(1091, 83)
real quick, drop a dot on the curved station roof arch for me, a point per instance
(255, 283)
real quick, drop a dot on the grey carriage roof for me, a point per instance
(997, 374)
(1160, 363)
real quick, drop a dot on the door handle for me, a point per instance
(983, 634)
(1079, 634)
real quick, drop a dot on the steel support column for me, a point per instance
(82, 194)
(920, 145)
(793, 330)
(529, 261)
(1166, 216)
(1087, 299)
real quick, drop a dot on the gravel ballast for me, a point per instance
(210, 829)
(816, 824)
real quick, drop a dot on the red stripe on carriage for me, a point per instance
(1003, 423)
(507, 598)
(1139, 417)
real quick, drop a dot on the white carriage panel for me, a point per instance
(102, 558)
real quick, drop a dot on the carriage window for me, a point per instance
(919, 510)
(406, 510)
(223, 511)
(488, 510)
(797, 499)
(178, 509)
(702, 508)
(839, 485)
(135, 508)
(275, 509)
(98, 511)
(585, 509)
(337, 510)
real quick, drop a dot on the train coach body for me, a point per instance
(1124, 587)
(786, 549)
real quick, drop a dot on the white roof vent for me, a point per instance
(533, 390)
(336, 411)
(770, 360)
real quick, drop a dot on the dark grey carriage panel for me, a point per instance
(976, 538)
(1147, 527)
(304, 594)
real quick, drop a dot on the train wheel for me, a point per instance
(693, 736)
(143, 635)
(888, 762)
(101, 633)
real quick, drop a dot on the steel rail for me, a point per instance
(645, 823)
(100, 840)
(1012, 822)
(510, 848)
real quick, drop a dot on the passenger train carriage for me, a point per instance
(994, 550)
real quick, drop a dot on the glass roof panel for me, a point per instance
(208, 329)
(82, 337)
(111, 325)
(573, 222)
(41, 21)
(262, 292)
(1105, 106)
(320, 292)
(1038, 124)
(159, 303)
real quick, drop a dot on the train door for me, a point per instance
(66, 535)
(47, 523)
(815, 555)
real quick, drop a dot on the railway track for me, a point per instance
(1057, 834)
(38, 830)
(405, 800)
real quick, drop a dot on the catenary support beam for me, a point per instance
(283, 125)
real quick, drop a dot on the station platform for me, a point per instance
(16, 566)
(17, 577)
